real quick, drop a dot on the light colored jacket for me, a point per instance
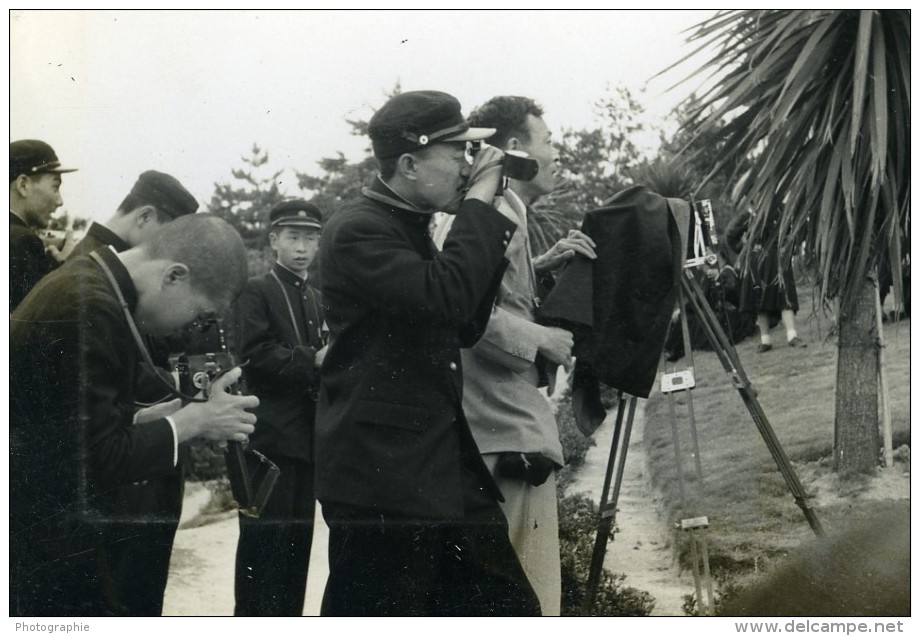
(505, 409)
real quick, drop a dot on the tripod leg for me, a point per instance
(695, 555)
(732, 365)
(607, 509)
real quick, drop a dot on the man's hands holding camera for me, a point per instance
(224, 417)
(485, 174)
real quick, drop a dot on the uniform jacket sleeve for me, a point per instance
(270, 356)
(393, 276)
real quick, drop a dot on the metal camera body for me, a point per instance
(516, 165)
(196, 372)
(703, 235)
(251, 474)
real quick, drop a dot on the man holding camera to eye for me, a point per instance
(511, 420)
(414, 522)
(76, 434)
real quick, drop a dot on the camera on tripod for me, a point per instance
(516, 165)
(704, 239)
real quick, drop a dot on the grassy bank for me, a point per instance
(754, 519)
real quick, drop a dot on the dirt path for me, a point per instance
(642, 548)
(201, 570)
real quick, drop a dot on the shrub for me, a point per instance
(577, 529)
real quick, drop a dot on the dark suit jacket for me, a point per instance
(72, 437)
(280, 369)
(390, 426)
(29, 262)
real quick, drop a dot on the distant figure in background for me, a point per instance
(281, 317)
(35, 193)
(768, 289)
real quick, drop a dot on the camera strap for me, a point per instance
(138, 340)
(290, 307)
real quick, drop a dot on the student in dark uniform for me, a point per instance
(156, 198)
(415, 527)
(281, 318)
(76, 433)
(140, 544)
(35, 193)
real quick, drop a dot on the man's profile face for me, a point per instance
(174, 307)
(539, 145)
(442, 172)
(42, 198)
(295, 247)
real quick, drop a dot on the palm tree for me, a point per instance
(818, 111)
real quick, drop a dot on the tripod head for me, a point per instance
(704, 240)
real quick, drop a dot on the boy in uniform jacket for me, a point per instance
(281, 318)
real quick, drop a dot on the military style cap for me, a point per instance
(31, 156)
(165, 193)
(414, 120)
(296, 213)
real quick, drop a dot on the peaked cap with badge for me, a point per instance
(296, 213)
(416, 119)
(31, 156)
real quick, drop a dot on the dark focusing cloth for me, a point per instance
(618, 307)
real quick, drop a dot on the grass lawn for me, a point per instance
(753, 516)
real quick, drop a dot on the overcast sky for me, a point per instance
(189, 92)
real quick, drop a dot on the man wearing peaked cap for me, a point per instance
(414, 522)
(155, 199)
(281, 336)
(35, 193)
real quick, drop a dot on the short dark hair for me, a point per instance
(133, 202)
(507, 114)
(387, 167)
(211, 249)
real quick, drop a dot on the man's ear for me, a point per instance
(513, 144)
(407, 165)
(176, 274)
(144, 215)
(273, 240)
(21, 183)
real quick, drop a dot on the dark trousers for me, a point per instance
(139, 545)
(381, 565)
(273, 551)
